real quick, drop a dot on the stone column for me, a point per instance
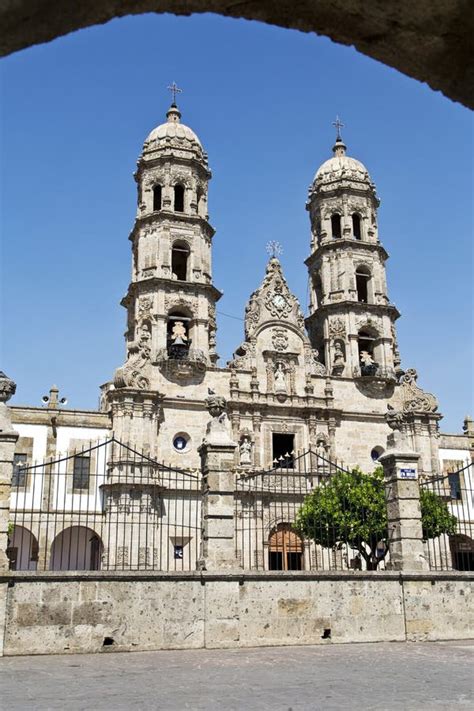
(8, 440)
(217, 509)
(403, 509)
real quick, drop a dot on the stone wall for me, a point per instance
(56, 613)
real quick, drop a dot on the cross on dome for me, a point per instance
(174, 88)
(338, 125)
(274, 248)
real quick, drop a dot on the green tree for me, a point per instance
(350, 509)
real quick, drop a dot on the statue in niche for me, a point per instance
(321, 452)
(338, 362)
(280, 379)
(178, 334)
(245, 451)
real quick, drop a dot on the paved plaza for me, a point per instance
(364, 676)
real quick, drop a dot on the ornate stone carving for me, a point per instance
(279, 339)
(145, 306)
(313, 365)
(7, 390)
(7, 387)
(279, 378)
(217, 429)
(337, 327)
(413, 398)
(131, 374)
(194, 364)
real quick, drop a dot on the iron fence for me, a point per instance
(106, 506)
(274, 533)
(447, 505)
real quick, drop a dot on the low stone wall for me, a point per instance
(55, 613)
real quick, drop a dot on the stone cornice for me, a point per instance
(135, 287)
(357, 306)
(345, 245)
(145, 164)
(173, 218)
(26, 415)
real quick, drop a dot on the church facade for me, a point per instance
(328, 383)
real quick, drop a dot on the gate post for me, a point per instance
(217, 510)
(400, 466)
(8, 440)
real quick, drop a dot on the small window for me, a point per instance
(81, 472)
(376, 453)
(180, 442)
(336, 225)
(19, 470)
(179, 198)
(178, 552)
(283, 449)
(455, 486)
(157, 198)
(356, 226)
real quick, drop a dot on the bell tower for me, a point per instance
(351, 321)
(171, 299)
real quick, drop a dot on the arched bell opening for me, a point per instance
(356, 226)
(157, 198)
(363, 284)
(367, 345)
(336, 226)
(285, 549)
(179, 198)
(178, 331)
(180, 260)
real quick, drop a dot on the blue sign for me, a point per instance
(407, 473)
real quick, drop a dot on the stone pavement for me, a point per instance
(383, 676)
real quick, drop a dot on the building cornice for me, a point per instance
(336, 245)
(337, 307)
(147, 284)
(173, 218)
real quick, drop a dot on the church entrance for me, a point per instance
(285, 549)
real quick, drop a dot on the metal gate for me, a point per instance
(449, 528)
(106, 506)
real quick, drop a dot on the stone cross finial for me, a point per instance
(174, 90)
(338, 125)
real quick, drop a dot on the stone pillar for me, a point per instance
(8, 440)
(403, 510)
(217, 509)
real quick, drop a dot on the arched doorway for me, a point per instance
(22, 549)
(462, 552)
(76, 548)
(285, 549)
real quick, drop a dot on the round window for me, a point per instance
(181, 442)
(376, 453)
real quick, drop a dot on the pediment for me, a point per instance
(272, 301)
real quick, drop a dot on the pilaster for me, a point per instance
(403, 510)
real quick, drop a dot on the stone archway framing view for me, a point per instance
(429, 41)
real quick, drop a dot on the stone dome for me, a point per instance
(341, 166)
(173, 134)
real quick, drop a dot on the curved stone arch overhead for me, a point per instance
(429, 41)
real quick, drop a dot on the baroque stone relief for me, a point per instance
(131, 375)
(413, 398)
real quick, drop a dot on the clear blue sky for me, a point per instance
(75, 113)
